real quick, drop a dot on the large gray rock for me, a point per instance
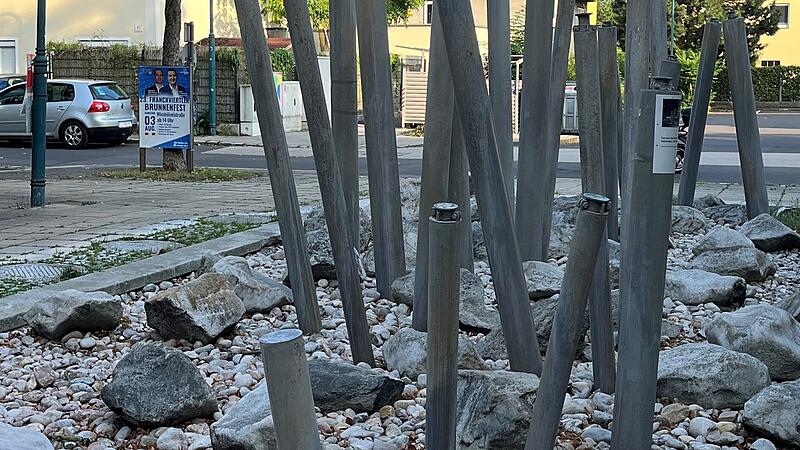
(494, 409)
(319, 243)
(410, 249)
(338, 386)
(478, 243)
(791, 305)
(155, 385)
(688, 220)
(769, 234)
(199, 310)
(766, 332)
(707, 201)
(12, 438)
(709, 375)
(614, 261)
(560, 238)
(406, 352)
(748, 263)
(694, 287)
(258, 292)
(247, 425)
(315, 220)
(543, 279)
(567, 207)
(722, 238)
(726, 214)
(774, 411)
(67, 311)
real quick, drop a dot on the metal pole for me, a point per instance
(737, 58)
(39, 111)
(672, 29)
(671, 68)
(474, 108)
(443, 290)
(289, 390)
(532, 168)
(212, 74)
(281, 178)
(383, 171)
(498, 14)
(567, 322)
(594, 180)
(644, 265)
(458, 192)
(609, 104)
(658, 38)
(435, 160)
(344, 95)
(330, 180)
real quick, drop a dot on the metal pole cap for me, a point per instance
(660, 83)
(445, 212)
(594, 203)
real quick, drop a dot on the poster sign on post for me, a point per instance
(665, 135)
(165, 107)
(27, 101)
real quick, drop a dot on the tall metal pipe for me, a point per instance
(442, 360)
(38, 110)
(458, 192)
(212, 73)
(671, 68)
(498, 14)
(609, 115)
(659, 44)
(289, 390)
(568, 321)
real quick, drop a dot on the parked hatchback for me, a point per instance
(10, 80)
(78, 112)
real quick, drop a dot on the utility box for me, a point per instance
(292, 106)
(248, 119)
(569, 124)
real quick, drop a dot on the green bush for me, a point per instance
(767, 83)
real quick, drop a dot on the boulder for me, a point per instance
(410, 248)
(560, 239)
(734, 215)
(493, 346)
(315, 220)
(709, 375)
(494, 409)
(694, 287)
(478, 244)
(320, 255)
(774, 412)
(769, 234)
(791, 305)
(258, 292)
(155, 385)
(67, 311)
(567, 207)
(12, 438)
(722, 238)
(688, 220)
(406, 352)
(247, 425)
(748, 263)
(766, 332)
(707, 201)
(614, 261)
(543, 279)
(199, 310)
(338, 386)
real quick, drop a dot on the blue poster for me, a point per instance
(165, 107)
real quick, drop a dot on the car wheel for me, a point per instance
(74, 135)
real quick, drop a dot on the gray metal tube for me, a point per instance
(658, 38)
(567, 322)
(609, 114)
(594, 180)
(435, 161)
(498, 14)
(458, 27)
(531, 168)
(344, 104)
(383, 171)
(737, 58)
(281, 179)
(644, 266)
(330, 180)
(458, 192)
(671, 68)
(443, 292)
(289, 390)
(697, 122)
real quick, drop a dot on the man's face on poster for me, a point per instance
(173, 77)
(159, 76)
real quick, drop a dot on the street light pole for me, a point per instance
(39, 111)
(212, 73)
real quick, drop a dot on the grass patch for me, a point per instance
(203, 230)
(205, 175)
(92, 258)
(790, 218)
(11, 286)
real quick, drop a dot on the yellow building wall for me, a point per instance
(782, 45)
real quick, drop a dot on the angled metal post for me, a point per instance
(737, 59)
(281, 178)
(568, 321)
(609, 104)
(442, 338)
(344, 97)
(697, 121)
(383, 171)
(289, 390)
(458, 192)
(498, 14)
(458, 27)
(659, 44)
(330, 180)
(644, 265)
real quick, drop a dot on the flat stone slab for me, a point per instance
(33, 272)
(248, 218)
(141, 245)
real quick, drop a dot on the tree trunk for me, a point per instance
(171, 56)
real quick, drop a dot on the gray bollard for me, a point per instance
(289, 390)
(442, 360)
(345, 251)
(609, 112)
(697, 122)
(568, 321)
(281, 179)
(594, 180)
(474, 108)
(737, 58)
(644, 264)
(383, 170)
(458, 192)
(498, 17)
(671, 68)
(658, 37)
(439, 119)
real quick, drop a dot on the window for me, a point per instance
(107, 91)
(783, 15)
(8, 56)
(13, 96)
(427, 13)
(770, 63)
(57, 92)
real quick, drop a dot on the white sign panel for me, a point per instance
(665, 134)
(165, 107)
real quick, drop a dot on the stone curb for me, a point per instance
(138, 274)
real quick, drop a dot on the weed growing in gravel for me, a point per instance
(203, 230)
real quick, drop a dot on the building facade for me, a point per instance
(780, 48)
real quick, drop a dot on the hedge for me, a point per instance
(766, 84)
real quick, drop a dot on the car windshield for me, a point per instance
(108, 91)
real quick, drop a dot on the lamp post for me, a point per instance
(212, 74)
(38, 112)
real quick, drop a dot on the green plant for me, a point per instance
(11, 286)
(230, 56)
(770, 84)
(397, 11)
(283, 61)
(201, 231)
(62, 46)
(202, 174)
(202, 125)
